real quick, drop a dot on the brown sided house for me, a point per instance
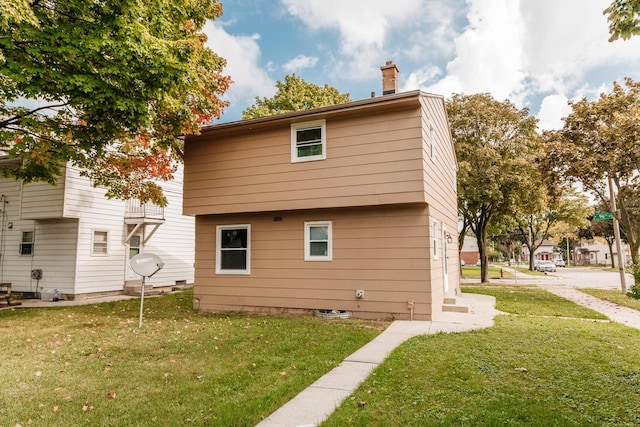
(348, 207)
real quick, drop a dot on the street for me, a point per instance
(578, 277)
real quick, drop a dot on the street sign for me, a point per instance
(603, 216)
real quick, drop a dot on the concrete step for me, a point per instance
(134, 290)
(456, 308)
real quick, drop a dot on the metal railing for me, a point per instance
(148, 210)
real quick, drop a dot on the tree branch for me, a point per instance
(14, 119)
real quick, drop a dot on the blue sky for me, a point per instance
(537, 53)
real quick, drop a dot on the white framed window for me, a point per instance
(318, 244)
(434, 234)
(308, 141)
(26, 244)
(233, 249)
(100, 243)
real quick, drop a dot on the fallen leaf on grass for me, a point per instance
(520, 369)
(38, 373)
(111, 394)
(283, 373)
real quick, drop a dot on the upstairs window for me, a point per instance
(233, 249)
(308, 141)
(317, 241)
(26, 244)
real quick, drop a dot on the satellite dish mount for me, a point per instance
(145, 265)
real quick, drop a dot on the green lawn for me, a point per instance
(613, 295)
(92, 365)
(530, 369)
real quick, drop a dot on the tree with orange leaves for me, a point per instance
(108, 86)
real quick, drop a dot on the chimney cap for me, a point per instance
(389, 64)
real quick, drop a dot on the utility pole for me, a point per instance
(616, 233)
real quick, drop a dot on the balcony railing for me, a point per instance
(137, 210)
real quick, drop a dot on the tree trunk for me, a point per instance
(482, 249)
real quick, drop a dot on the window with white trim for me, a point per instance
(308, 141)
(434, 233)
(318, 241)
(26, 244)
(233, 249)
(100, 243)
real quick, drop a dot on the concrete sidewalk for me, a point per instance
(625, 315)
(314, 404)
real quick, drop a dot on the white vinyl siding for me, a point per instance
(318, 241)
(308, 141)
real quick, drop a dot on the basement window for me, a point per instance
(233, 249)
(318, 244)
(308, 141)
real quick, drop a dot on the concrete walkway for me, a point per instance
(625, 315)
(314, 404)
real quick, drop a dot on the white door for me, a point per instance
(134, 247)
(445, 261)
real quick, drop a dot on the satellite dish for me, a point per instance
(146, 264)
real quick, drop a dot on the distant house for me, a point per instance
(596, 252)
(71, 239)
(545, 252)
(470, 253)
(349, 207)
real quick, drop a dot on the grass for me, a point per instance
(527, 370)
(615, 296)
(92, 365)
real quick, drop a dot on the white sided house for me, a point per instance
(71, 242)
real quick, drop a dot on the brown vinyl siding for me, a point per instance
(371, 160)
(384, 251)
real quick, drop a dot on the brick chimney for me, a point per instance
(389, 78)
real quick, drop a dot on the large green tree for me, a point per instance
(600, 141)
(624, 19)
(295, 94)
(109, 86)
(495, 145)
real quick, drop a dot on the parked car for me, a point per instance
(479, 263)
(559, 263)
(462, 263)
(546, 266)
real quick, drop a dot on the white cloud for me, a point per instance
(300, 62)
(363, 26)
(489, 57)
(519, 49)
(243, 58)
(420, 78)
(552, 109)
